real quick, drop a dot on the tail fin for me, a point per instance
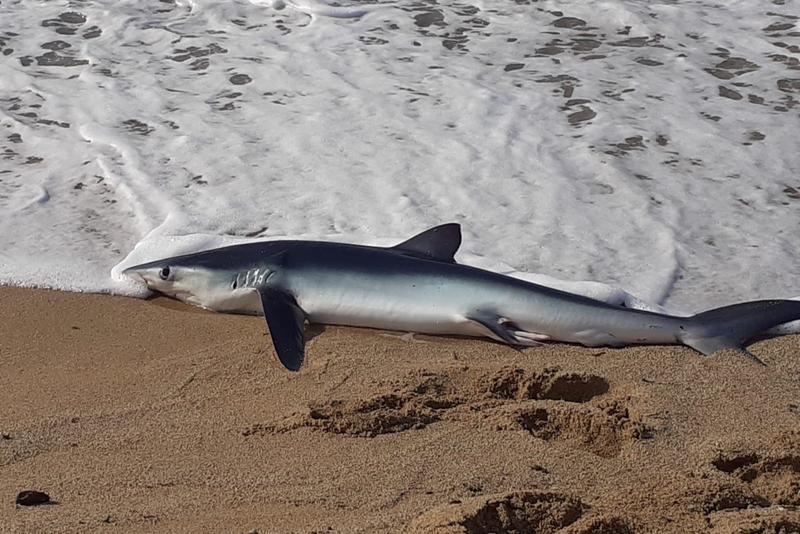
(730, 327)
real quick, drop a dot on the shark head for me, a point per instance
(184, 282)
(224, 279)
(194, 281)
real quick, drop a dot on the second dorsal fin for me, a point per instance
(439, 243)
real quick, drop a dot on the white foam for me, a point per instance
(611, 151)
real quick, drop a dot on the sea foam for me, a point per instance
(650, 147)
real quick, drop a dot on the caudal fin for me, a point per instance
(732, 326)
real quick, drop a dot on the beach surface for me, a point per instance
(151, 416)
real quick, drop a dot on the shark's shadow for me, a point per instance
(313, 330)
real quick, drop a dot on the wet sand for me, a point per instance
(151, 416)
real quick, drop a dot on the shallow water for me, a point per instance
(652, 146)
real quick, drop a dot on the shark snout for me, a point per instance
(155, 275)
(133, 272)
(149, 272)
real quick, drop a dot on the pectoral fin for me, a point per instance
(286, 322)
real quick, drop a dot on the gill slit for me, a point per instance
(251, 278)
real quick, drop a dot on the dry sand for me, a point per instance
(150, 416)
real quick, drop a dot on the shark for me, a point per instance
(417, 286)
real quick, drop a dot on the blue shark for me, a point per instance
(417, 286)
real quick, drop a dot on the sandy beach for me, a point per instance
(151, 416)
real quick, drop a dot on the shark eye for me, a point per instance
(164, 273)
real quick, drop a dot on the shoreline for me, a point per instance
(153, 415)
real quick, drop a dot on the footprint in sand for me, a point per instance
(523, 511)
(772, 520)
(763, 494)
(516, 513)
(551, 384)
(601, 430)
(776, 478)
(549, 404)
(413, 404)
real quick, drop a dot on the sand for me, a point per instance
(151, 416)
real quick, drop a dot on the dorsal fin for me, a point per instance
(439, 243)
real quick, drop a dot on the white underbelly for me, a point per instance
(386, 313)
(420, 323)
(382, 313)
(245, 301)
(425, 313)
